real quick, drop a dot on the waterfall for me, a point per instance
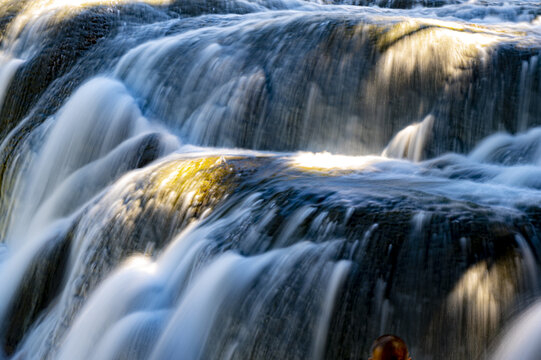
(269, 179)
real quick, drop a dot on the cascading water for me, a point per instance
(202, 179)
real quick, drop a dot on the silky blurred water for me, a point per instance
(282, 179)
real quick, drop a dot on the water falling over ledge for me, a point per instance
(268, 178)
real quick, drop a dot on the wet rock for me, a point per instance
(41, 284)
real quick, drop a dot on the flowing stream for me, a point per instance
(269, 179)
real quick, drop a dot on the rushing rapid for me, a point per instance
(269, 179)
